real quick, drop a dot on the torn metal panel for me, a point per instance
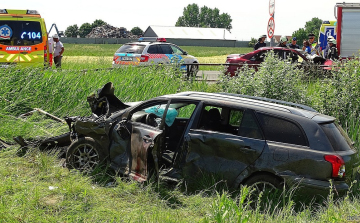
(143, 138)
(119, 151)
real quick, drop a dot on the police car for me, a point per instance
(153, 50)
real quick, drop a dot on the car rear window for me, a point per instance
(337, 137)
(281, 130)
(131, 48)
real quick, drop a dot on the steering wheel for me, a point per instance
(150, 119)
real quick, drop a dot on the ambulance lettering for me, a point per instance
(25, 48)
(12, 48)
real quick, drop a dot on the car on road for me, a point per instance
(243, 139)
(152, 51)
(255, 58)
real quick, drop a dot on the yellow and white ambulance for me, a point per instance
(23, 38)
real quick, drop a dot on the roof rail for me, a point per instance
(270, 100)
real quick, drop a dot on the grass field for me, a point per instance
(35, 187)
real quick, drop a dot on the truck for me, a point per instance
(346, 30)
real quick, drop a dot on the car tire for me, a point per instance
(193, 70)
(84, 154)
(262, 182)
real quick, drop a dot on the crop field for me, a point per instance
(36, 187)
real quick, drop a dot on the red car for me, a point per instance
(253, 59)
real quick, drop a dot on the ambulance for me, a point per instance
(23, 38)
(327, 28)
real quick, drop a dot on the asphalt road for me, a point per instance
(208, 75)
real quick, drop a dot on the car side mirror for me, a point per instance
(185, 53)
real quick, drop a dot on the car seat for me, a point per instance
(214, 122)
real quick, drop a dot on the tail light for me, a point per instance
(45, 53)
(144, 58)
(114, 58)
(338, 165)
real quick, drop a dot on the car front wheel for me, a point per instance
(84, 154)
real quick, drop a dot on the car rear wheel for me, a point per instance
(84, 154)
(269, 186)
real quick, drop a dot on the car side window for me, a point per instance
(259, 56)
(166, 49)
(281, 130)
(176, 50)
(231, 121)
(153, 49)
(249, 127)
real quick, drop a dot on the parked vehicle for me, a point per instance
(243, 139)
(255, 58)
(23, 38)
(347, 29)
(153, 51)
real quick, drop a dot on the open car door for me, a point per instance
(147, 123)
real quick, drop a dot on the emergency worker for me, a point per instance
(315, 48)
(332, 54)
(293, 44)
(58, 51)
(51, 49)
(283, 41)
(260, 43)
(327, 45)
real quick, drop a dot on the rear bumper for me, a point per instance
(317, 187)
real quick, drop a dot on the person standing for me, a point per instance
(332, 54)
(306, 47)
(315, 48)
(293, 44)
(58, 51)
(327, 46)
(51, 50)
(283, 42)
(260, 43)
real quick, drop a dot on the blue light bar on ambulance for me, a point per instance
(32, 12)
(151, 39)
(3, 11)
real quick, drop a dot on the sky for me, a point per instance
(249, 17)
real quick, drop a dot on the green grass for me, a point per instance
(36, 188)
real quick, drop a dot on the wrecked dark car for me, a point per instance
(245, 140)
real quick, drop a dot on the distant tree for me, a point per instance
(85, 29)
(137, 31)
(204, 17)
(252, 42)
(190, 16)
(300, 35)
(312, 26)
(98, 22)
(72, 31)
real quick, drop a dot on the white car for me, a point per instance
(151, 51)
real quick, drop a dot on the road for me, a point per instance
(208, 75)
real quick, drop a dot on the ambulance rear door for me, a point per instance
(9, 50)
